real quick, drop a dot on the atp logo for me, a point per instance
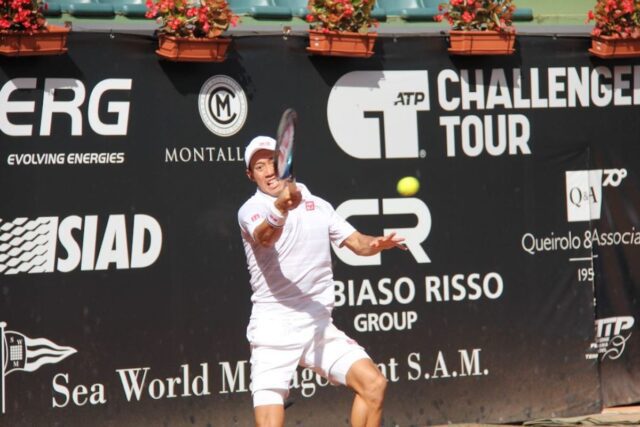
(610, 339)
(414, 237)
(584, 191)
(374, 114)
(222, 105)
(21, 353)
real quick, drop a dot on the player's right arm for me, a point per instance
(267, 232)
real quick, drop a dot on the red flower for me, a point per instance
(310, 18)
(467, 17)
(340, 15)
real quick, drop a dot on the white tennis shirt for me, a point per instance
(293, 277)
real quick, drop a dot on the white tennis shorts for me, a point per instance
(278, 346)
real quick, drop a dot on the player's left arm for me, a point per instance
(364, 245)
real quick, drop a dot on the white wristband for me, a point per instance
(275, 218)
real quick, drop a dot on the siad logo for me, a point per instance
(584, 191)
(31, 245)
(404, 206)
(374, 114)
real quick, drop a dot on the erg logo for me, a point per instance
(404, 206)
(374, 114)
(584, 191)
(222, 105)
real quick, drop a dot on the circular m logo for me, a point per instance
(223, 105)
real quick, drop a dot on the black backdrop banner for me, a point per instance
(124, 289)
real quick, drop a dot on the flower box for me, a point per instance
(616, 33)
(481, 42)
(52, 40)
(183, 49)
(615, 47)
(348, 44)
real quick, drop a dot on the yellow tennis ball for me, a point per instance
(408, 186)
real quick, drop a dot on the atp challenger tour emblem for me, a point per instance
(89, 243)
(21, 353)
(223, 105)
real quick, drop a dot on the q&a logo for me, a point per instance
(222, 105)
(584, 191)
(404, 206)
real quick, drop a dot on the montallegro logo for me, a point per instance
(222, 105)
(21, 353)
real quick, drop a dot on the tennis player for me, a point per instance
(286, 232)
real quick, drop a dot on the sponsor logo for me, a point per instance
(374, 114)
(310, 205)
(374, 294)
(610, 339)
(584, 191)
(414, 237)
(222, 105)
(62, 99)
(58, 159)
(62, 110)
(31, 245)
(21, 353)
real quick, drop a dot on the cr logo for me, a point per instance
(405, 206)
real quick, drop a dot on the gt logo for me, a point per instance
(374, 114)
(405, 206)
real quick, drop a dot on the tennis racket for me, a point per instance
(283, 155)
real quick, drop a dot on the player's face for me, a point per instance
(263, 172)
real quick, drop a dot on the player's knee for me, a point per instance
(268, 397)
(269, 407)
(375, 389)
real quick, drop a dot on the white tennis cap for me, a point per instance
(256, 144)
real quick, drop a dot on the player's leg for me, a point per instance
(273, 363)
(269, 408)
(365, 379)
(340, 359)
